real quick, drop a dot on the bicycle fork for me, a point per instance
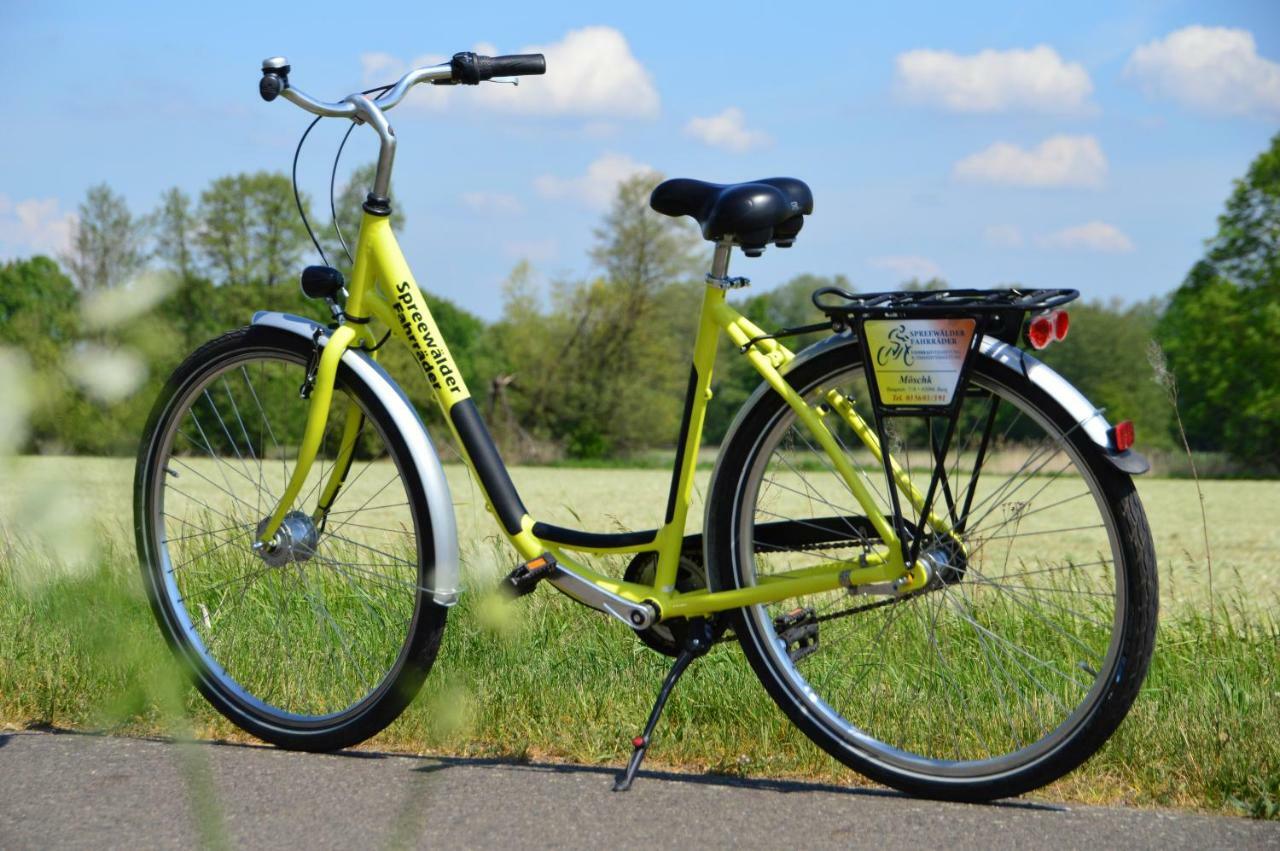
(318, 388)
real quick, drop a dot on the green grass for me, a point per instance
(79, 649)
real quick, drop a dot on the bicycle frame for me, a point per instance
(382, 287)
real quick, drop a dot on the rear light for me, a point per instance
(1122, 435)
(1061, 323)
(1048, 327)
(1040, 332)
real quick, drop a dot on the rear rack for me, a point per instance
(841, 305)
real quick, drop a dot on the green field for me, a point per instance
(78, 647)
(82, 506)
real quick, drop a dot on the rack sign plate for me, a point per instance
(917, 362)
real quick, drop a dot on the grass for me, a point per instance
(78, 648)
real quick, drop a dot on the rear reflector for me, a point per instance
(1048, 327)
(1040, 332)
(1061, 322)
(1122, 435)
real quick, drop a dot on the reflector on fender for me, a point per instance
(1122, 435)
(1048, 327)
(1061, 322)
(1040, 331)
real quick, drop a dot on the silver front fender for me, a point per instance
(426, 463)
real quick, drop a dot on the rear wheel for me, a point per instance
(1029, 645)
(322, 641)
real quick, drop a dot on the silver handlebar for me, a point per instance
(347, 108)
(360, 108)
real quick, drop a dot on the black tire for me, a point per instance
(951, 675)
(209, 461)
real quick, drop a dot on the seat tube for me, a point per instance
(699, 394)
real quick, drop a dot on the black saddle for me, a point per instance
(751, 215)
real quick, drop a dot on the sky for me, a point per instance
(1085, 144)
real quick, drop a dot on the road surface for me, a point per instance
(74, 790)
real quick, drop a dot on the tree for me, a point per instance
(106, 242)
(1246, 249)
(175, 227)
(1104, 356)
(602, 369)
(1219, 330)
(250, 230)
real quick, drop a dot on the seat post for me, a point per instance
(720, 260)
(719, 274)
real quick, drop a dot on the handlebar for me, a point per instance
(467, 69)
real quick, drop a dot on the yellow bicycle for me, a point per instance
(927, 542)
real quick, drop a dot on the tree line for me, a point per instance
(597, 367)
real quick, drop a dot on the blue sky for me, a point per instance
(1087, 144)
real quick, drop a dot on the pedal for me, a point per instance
(526, 577)
(799, 630)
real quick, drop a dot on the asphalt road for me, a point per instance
(73, 790)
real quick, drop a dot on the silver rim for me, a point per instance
(319, 628)
(987, 673)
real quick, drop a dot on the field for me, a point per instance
(78, 647)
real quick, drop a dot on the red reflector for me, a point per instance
(1040, 332)
(638, 742)
(1122, 435)
(1061, 322)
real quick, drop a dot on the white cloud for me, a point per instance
(601, 129)
(908, 266)
(596, 188)
(1038, 80)
(1211, 69)
(1092, 236)
(590, 72)
(727, 130)
(1057, 161)
(34, 226)
(492, 202)
(533, 250)
(1005, 236)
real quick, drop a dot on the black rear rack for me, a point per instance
(840, 304)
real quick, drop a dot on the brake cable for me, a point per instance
(297, 196)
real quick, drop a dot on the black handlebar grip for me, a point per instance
(470, 69)
(515, 65)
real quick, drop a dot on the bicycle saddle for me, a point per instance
(751, 215)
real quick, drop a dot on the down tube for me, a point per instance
(422, 335)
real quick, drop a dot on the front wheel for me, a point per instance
(1027, 648)
(321, 641)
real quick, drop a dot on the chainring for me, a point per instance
(691, 574)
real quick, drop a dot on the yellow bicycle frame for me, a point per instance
(382, 287)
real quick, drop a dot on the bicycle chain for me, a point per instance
(843, 613)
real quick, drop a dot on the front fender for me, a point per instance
(1091, 420)
(426, 462)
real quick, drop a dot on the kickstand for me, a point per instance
(697, 642)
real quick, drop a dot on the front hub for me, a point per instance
(294, 541)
